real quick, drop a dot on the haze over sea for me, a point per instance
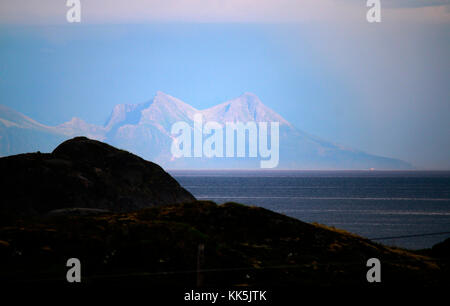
(373, 204)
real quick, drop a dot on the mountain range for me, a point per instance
(145, 130)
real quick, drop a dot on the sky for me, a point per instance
(378, 87)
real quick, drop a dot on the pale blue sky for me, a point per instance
(380, 88)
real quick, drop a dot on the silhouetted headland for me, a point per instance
(88, 174)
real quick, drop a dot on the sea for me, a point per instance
(407, 209)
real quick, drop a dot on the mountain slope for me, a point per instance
(20, 134)
(78, 126)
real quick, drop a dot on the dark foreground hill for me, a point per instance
(242, 246)
(84, 173)
(147, 230)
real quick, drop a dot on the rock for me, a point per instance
(441, 249)
(84, 173)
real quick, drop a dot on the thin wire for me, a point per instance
(409, 236)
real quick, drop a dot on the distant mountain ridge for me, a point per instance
(145, 130)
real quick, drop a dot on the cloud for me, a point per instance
(245, 11)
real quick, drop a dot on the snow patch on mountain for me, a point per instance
(79, 127)
(166, 110)
(245, 108)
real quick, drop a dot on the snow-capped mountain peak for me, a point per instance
(247, 107)
(79, 127)
(125, 114)
(166, 110)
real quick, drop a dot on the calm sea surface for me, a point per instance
(374, 204)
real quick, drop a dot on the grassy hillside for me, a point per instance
(242, 246)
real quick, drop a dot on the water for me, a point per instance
(372, 204)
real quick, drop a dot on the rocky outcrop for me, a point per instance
(84, 173)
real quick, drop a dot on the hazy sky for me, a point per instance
(382, 88)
